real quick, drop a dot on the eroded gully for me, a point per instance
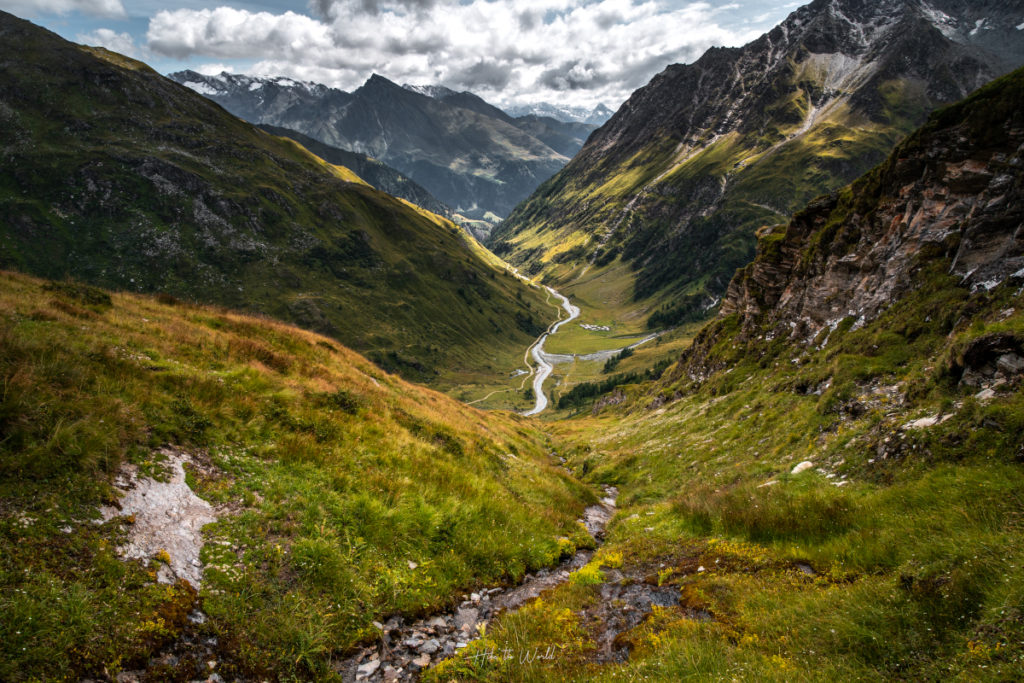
(405, 648)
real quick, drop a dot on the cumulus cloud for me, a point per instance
(34, 8)
(105, 37)
(583, 51)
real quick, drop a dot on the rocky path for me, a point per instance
(405, 649)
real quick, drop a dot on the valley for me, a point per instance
(737, 395)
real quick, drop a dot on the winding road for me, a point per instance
(547, 361)
(544, 368)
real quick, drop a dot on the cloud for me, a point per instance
(214, 69)
(105, 37)
(484, 75)
(586, 51)
(34, 8)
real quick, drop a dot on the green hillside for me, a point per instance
(121, 178)
(345, 494)
(662, 204)
(844, 506)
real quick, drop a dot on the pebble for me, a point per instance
(802, 467)
(368, 669)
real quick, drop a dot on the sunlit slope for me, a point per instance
(828, 484)
(675, 185)
(345, 494)
(122, 178)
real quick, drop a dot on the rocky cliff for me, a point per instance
(946, 209)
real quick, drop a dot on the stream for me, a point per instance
(404, 648)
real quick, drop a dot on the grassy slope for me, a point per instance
(898, 554)
(693, 212)
(119, 177)
(918, 558)
(337, 474)
(763, 185)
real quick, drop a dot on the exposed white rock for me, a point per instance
(925, 422)
(802, 467)
(368, 669)
(168, 517)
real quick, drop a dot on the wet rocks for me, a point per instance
(404, 650)
(623, 606)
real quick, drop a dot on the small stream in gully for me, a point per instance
(405, 648)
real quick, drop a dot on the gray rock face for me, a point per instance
(168, 519)
(835, 85)
(469, 155)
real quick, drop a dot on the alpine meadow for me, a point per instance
(489, 341)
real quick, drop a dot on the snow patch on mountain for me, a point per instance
(567, 113)
(946, 24)
(437, 92)
(201, 87)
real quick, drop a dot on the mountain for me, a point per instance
(468, 154)
(943, 212)
(569, 114)
(565, 137)
(676, 183)
(828, 486)
(119, 177)
(380, 175)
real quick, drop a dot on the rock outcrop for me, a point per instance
(952, 195)
(955, 189)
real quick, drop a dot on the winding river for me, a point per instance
(544, 367)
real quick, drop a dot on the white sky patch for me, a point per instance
(214, 69)
(580, 52)
(35, 8)
(1020, 26)
(112, 40)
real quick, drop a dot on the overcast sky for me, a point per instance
(578, 52)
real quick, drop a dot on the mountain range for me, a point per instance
(376, 173)
(675, 185)
(469, 154)
(568, 113)
(119, 177)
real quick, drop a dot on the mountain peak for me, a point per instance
(749, 134)
(378, 81)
